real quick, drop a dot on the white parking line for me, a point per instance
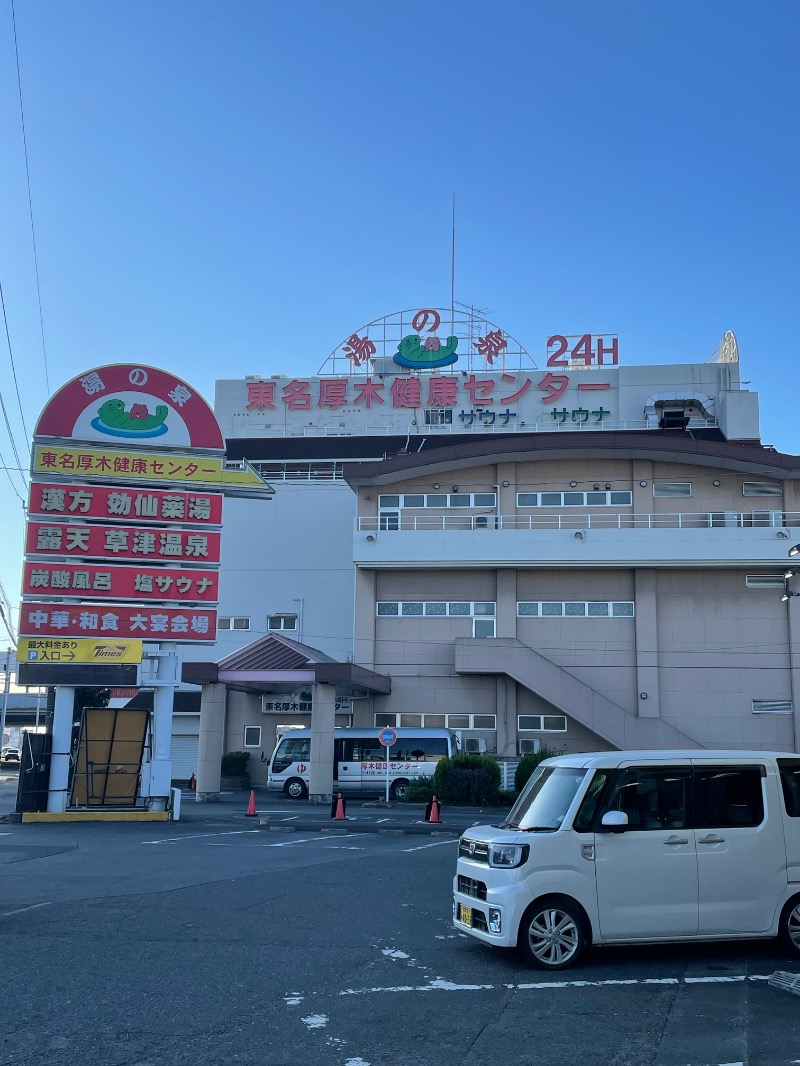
(21, 910)
(200, 836)
(439, 985)
(436, 844)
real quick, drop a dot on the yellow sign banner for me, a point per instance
(147, 467)
(77, 650)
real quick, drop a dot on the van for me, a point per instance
(634, 847)
(359, 760)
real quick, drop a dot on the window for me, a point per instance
(764, 581)
(483, 627)
(584, 819)
(727, 797)
(652, 797)
(762, 488)
(237, 622)
(291, 749)
(789, 769)
(252, 736)
(672, 488)
(542, 723)
(772, 706)
(574, 499)
(439, 416)
(576, 609)
(282, 621)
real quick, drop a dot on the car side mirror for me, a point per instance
(614, 821)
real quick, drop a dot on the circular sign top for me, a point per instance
(125, 403)
(387, 737)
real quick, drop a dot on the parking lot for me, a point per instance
(216, 940)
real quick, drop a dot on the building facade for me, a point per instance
(584, 556)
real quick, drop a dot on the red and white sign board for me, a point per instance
(126, 404)
(190, 624)
(120, 582)
(118, 504)
(122, 542)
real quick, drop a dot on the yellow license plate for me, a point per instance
(465, 915)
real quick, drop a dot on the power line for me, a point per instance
(11, 636)
(8, 470)
(30, 200)
(13, 368)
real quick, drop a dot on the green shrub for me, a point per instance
(528, 764)
(467, 779)
(419, 791)
(234, 764)
(508, 798)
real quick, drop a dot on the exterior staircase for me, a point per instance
(566, 692)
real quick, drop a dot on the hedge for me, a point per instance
(469, 779)
(528, 764)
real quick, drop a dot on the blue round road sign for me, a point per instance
(387, 737)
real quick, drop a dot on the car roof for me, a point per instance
(602, 759)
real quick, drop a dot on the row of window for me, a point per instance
(437, 499)
(274, 622)
(593, 498)
(575, 609)
(486, 610)
(437, 721)
(434, 608)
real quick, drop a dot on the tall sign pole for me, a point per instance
(122, 547)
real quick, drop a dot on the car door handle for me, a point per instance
(711, 840)
(676, 840)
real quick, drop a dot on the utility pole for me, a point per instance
(6, 684)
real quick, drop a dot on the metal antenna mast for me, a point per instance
(453, 272)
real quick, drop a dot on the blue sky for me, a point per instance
(230, 188)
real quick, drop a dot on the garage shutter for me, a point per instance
(184, 757)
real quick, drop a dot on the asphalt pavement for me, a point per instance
(217, 941)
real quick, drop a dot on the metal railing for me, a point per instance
(681, 520)
(256, 428)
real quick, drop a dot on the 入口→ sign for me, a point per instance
(79, 650)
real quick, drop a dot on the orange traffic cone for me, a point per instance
(339, 816)
(251, 806)
(192, 783)
(432, 814)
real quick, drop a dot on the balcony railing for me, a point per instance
(681, 520)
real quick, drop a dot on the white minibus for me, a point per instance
(359, 760)
(637, 847)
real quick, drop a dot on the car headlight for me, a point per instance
(508, 855)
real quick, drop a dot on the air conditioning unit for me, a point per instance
(474, 745)
(529, 747)
(480, 521)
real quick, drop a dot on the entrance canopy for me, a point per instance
(277, 664)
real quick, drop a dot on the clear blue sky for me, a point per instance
(225, 188)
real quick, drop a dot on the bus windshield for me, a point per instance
(545, 800)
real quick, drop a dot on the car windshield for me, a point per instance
(545, 800)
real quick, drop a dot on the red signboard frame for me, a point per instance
(91, 542)
(118, 621)
(92, 501)
(118, 383)
(142, 583)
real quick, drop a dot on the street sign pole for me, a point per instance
(387, 737)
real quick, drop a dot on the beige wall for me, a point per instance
(701, 647)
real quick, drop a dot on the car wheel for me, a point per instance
(295, 789)
(789, 928)
(551, 934)
(398, 790)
